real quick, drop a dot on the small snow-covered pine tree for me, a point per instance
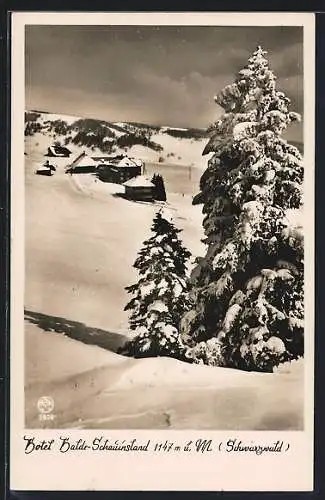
(160, 297)
(248, 289)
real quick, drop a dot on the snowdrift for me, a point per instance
(81, 242)
(117, 392)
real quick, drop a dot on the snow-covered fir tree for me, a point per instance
(248, 289)
(159, 190)
(160, 297)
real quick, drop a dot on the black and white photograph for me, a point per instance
(165, 221)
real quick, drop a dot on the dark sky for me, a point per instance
(161, 75)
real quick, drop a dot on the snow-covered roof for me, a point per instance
(111, 157)
(126, 162)
(139, 181)
(44, 168)
(59, 150)
(137, 162)
(119, 160)
(84, 161)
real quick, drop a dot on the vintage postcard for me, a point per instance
(162, 251)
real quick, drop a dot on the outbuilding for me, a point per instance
(58, 151)
(139, 188)
(45, 169)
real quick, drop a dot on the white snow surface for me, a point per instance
(146, 290)
(165, 128)
(177, 289)
(240, 129)
(158, 306)
(84, 161)
(167, 214)
(126, 162)
(173, 372)
(80, 245)
(91, 186)
(69, 119)
(139, 181)
(120, 124)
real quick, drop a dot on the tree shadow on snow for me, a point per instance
(78, 331)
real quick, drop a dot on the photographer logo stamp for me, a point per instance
(45, 405)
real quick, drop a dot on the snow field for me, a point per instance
(81, 242)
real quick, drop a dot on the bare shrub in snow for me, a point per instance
(248, 289)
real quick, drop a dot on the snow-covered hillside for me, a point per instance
(81, 242)
(149, 143)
